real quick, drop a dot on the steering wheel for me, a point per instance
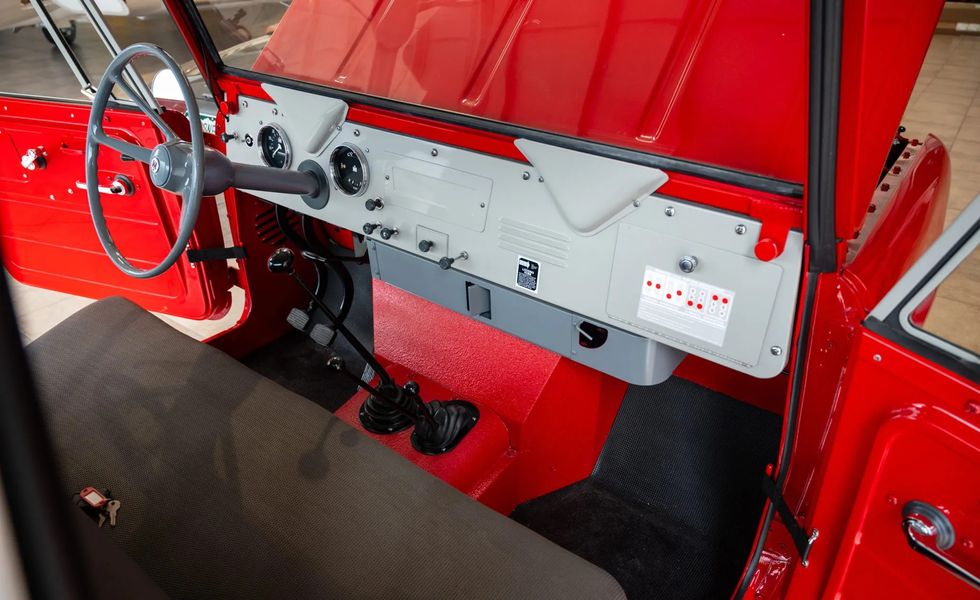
(175, 165)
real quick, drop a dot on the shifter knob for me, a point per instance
(281, 261)
(369, 228)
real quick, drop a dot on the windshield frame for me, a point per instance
(744, 179)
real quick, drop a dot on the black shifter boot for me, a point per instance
(451, 421)
(378, 416)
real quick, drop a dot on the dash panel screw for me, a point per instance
(669, 211)
(740, 229)
(776, 351)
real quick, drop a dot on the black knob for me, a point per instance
(227, 137)
(425, 246)
(387, 233)
(445, 262)
(281, 261)
(375, 204)
(369, 228)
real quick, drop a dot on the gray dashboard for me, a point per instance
(582, 238)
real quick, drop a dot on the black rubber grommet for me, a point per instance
(322, 196)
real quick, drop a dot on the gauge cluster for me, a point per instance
(274, 148)
(545, 249)
(349, 169)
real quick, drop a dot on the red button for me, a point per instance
(649, 283)
(668, 296)
(714, 297)
(700, 307)
(689, 303)
(724, 300)
(658, 286)
(678, 292)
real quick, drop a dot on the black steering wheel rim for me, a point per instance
(183, 164)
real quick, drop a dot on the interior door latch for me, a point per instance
(120, 186)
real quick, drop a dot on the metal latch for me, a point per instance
(34, 159)
(120, 186)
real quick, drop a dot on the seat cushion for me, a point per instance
(232, 486)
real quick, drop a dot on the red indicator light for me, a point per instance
(678, 292)
(668, 296)
(724, 300)
(715, 297)
(649, 283)
(700, 307)
(689, 303)
(658, 286)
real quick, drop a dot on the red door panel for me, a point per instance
(46, 227)
(909, 430)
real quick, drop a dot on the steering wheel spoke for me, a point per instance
(168, 133)
(132, 150)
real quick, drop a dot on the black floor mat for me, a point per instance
(672, 506)
(297, 363)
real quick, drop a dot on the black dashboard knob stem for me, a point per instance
(227, 137)
(446, 262)
(281, 261)
(369, 228)
(388, 233)
(425, 246)
(374, 204)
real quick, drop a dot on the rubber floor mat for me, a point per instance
(672, 506)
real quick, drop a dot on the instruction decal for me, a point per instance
(688, 306)
(528, 274)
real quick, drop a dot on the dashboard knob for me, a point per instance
(425, 246)
(387, 233)
(369, 228)
(688, 263)
(374, 204)
(446, 262)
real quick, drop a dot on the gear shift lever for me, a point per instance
(439, 426)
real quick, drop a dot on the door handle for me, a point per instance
(120, 186)
(920, 519)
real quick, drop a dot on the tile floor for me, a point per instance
(945, 101)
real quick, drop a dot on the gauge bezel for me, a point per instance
(365, 169)
(285, 142)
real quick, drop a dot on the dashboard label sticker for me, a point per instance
(685, 305)
(528, 274)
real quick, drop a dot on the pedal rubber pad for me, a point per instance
(321, 334)
(298, 319)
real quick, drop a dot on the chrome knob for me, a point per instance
(688, 263)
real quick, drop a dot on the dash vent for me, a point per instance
(535, 242)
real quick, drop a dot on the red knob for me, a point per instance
(766, 249)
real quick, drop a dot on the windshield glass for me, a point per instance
(715, 82)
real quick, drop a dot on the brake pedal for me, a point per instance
(298, 319)
(322, 334)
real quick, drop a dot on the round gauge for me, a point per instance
(274, 146)
(349, 169)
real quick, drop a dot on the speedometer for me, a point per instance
(274, 146)
(349, 169)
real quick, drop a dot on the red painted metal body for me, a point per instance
(46, 227)
(728, 88)
(706, 81)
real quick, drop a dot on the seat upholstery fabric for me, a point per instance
(233, 487)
